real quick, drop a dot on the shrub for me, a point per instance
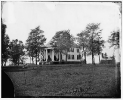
(66, 62)
(107, 62)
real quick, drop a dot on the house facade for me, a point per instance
(74, 54)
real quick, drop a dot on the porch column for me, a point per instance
(52, 55)
(59, 56)
(46, 54)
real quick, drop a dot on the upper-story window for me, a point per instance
(77, 50)
(72, 49)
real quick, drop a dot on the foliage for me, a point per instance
(5, 43)
(16, 51)
(114, 39)
(23, 59)
(90, 40)
(95, 43)
(62, 41)
(98, 46)
(35, 42)
(91, 29)
(83, 40)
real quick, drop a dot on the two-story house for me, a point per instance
(74, 54)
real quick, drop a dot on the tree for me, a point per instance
(5, 44)
(114, 39)
(94, 44)
(34, 43)
(98, 44)
(16, 51)
(83, 39)
(62, 42)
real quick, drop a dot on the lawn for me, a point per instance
(67, 81)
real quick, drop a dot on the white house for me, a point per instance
(74, 54)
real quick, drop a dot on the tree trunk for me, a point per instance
(92, 51)
(18, 62)
(66, 57)
(59, 56)
(36, 59)
(5, 63)
(36, 56)
(32, 59)
(99, 58)
(93, 58)
(85, 56)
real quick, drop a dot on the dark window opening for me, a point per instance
(72, 56)
(68, 56)
(78, 56)
(77, 50)
(72, 49)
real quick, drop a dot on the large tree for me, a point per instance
(34, 43)
(16, 51)
(98, 44)
(95, 44)
(82, 39)
(114, 40)
(5, 44)
(62, 42)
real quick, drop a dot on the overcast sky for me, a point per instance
(21, 17)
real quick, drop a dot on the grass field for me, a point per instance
(67, 81)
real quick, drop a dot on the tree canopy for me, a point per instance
(16, 51)
(114, 39)
(95, 43)
(83, 40)
(62, 41)
(5, 43)
(35, 42)
(90, 40)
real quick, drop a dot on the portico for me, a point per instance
(49, 54)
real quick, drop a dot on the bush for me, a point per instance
(66, 62)
(107, 62)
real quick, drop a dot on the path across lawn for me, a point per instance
(66, 81)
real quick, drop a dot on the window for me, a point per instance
(72, 56)
(78, 56)
(72, 49)
(77, 50)
(68, 56)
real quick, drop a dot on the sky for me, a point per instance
(21, 17)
